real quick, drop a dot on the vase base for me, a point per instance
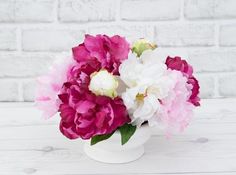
(113, 156)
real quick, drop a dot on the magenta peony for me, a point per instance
(109, 51)
(194, 99)
(83, 114)
(178, 64)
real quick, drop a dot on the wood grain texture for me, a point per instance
(31, 145)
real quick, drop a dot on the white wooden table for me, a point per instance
(31, 145)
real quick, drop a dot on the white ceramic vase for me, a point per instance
(111, 150)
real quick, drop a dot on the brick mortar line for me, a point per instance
(224, 21)
(125, 22)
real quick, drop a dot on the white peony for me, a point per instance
(145, 109)
(147, 81)
(133, 70)
(103, 83)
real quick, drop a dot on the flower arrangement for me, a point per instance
(109, 85)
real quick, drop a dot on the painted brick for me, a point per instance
(86, 10)
(130, 32)
(8, 90)
(227, 35)
(29, 88)
(50, 39)
(8, 39)
(137, 10)
(26, 10)
(184, 35)
(26, 65)
(213, 61)
(227, 85)
(207, 85)
(210, 9)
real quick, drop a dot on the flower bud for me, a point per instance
(103, 83)
(141, 45)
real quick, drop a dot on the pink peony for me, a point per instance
(178, 64)
(83, 114)
(109, 51)
(49, 86)
(176, 112)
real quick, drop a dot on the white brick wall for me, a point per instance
(9, 90)
(7, 39)
(207, 85)
(28, 87)
(150, 10)
(131, 32)
(33, 32)
(29, 11)
(209, 9)
(184, 35)
(86, 10)
(50, 39)
(227, 84)
(227, 35)
(213, 61)
(23, 65)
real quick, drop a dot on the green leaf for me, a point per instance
(99, 138)
(126, 131)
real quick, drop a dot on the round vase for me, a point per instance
(111, 150)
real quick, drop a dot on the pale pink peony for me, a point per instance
(181, 65)
(49, 86)
(176, 112)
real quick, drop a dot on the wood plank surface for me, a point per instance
(32, 145)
